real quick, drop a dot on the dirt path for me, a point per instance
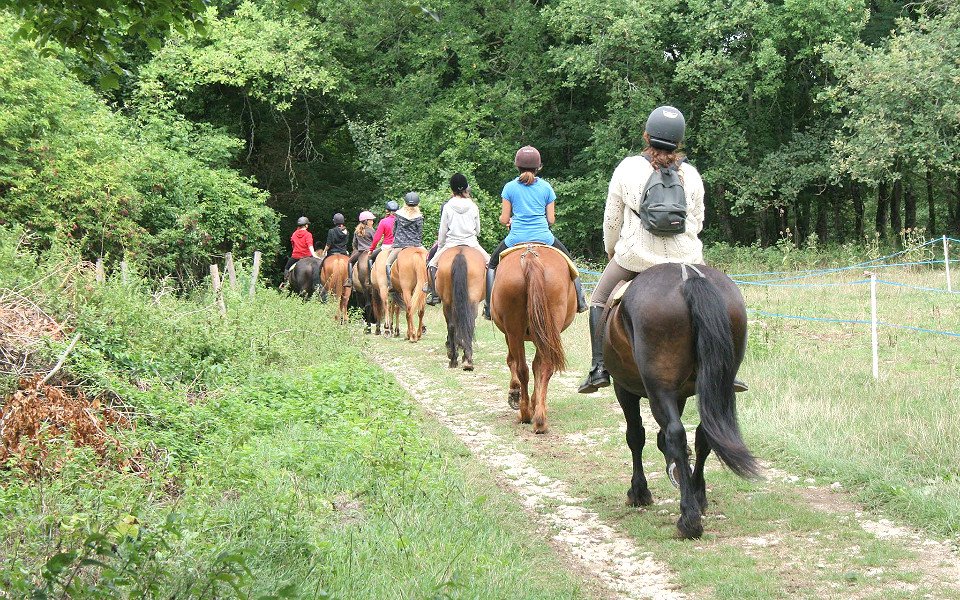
(785, 536)
(603, 553)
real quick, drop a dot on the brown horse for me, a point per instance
(380, 297)
(361, 295)
(680, 331)
(533, 299)
(461, 283)
(407, 277)
(334, 275)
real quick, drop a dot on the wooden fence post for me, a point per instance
(231, 272)
(254, 273)
(101, 277)
(217, 288)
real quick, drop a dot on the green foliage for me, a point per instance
(98, 30)
(152, 186)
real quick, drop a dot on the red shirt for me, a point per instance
(384, 231)
(301, 240)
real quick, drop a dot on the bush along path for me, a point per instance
(784, 536)
(272, 461)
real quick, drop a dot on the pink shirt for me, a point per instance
(384, 232)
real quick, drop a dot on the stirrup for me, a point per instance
(596, 379)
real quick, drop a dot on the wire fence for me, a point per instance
(887, 264)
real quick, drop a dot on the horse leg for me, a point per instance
(639, 492)
(665, 406)
(702, 447)
(542, 373)
(451, 336)
(517, 397)
(408, 310)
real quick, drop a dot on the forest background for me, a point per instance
(168, 132)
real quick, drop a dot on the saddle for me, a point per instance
(536, 247)
(621, 288)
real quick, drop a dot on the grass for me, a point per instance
(280, 464)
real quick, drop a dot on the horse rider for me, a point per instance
(459, 226)
(337, 238)
(407, 230)
(362, 238)
(384, 233)
(528, 210)
(630, 247)
(302, 244)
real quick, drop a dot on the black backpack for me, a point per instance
(663, 207)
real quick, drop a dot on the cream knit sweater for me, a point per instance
(633, 247)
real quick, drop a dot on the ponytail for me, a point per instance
(361, 229)
(660, 158)
(528, 176)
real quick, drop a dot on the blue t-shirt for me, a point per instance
(528, 204)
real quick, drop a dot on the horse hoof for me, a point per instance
(540, 428)
(690, 528)
(513, 399)
(674, 473)
(644, 498)
(467, 366)
(453, 365)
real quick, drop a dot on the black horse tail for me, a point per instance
(716, 368)
(464, 318)
(316, 268)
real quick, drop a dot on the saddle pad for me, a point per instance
(536, 246)
(618, 292)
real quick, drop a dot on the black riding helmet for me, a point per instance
(338, 219)
(666, 126)
(392, 206)
(411, 198)
(303, 221)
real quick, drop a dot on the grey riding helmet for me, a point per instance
(303, 221)
(392, 206)
(411, 198)
(666, 127)
(338, 219)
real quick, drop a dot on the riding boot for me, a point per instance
(433, 300)
(349, 281)
(581, 301)
(491, 273)
(369, 273)
(598, 376)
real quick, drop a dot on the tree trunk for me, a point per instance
(883, 202)
(931, 207)
(723, 214)
(783, 214)
(836, 206)
(858, 210)
(823, 208)
(910, 208)
(803, 219)
(896, 201)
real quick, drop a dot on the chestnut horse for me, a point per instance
(533, 299)
(380, 297)
(334, 275)
(304, 277)
(461, 283)
(407, 278)
(679, 331)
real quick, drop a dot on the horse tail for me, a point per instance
(418, 300)
(716, 368)
(463, 317)
(336, 278)
(543, 327)
(315, 268)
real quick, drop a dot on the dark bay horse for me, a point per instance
(360, 295)
(334, 275)
(461, 283)
(534, 300)
(408, 276)
(680, 331)
(304, 277)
